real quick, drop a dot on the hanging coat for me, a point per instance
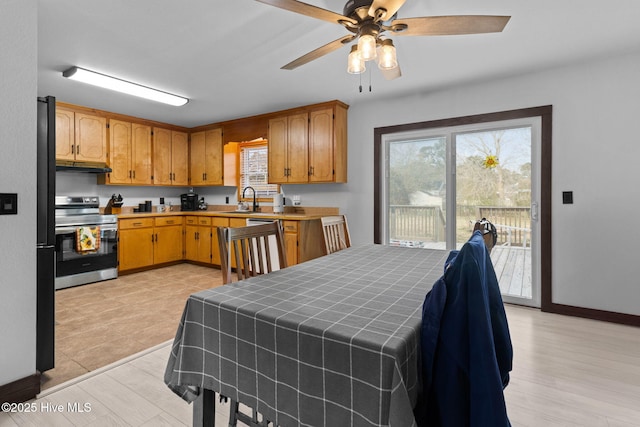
(465, 344)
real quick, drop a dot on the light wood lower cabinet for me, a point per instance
(291, 241)
(149, 241)
(135, 248)
(168, 246)
(201, 238)
(215, 248)
(197, 239)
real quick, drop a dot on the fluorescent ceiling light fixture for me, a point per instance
(119, 85)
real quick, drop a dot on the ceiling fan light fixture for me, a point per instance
(355, 63)
(387, 59)
(123, 86)
(367, 47)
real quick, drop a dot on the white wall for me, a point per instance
(596, 146)
(596, 106)
(18, 91)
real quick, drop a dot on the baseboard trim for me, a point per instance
(21, 390)
(594, 314)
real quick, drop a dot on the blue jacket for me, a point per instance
(465, 344)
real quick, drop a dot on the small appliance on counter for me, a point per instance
(189, 201)
(278, 203)
(202, 205)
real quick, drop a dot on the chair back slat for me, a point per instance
(336, 233)
(250, 248)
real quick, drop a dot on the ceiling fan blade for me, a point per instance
(451, 25)
(391, 7)
(391, 74)
(317, 53)
(309, 10)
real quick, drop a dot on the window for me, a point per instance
(254, 170)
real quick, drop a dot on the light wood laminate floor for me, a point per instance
(566, 372)
(100, 323)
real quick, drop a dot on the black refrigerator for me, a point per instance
(46, 164)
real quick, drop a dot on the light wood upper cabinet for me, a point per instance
(180, 157)
(141, 154)
(170, 157)
(328, 144)
(309, 146)
(80, 136)
(129, 153)
(65, 134)
(119, 152)
(278, 150)
(288, 149)
(206, 153)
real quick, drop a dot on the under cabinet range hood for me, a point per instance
(87, 167)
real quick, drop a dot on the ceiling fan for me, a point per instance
(370, 22)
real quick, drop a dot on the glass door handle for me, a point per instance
(534, 211)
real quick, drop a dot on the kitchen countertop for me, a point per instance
(229, 214)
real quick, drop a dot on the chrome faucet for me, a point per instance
(255, 205)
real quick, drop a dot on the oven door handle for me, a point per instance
(105, 227)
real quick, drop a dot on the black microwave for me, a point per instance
(189, 202)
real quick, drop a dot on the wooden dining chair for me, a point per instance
(254, 249)
(336, 233)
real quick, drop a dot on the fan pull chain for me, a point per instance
(360, 77)
(369, 79)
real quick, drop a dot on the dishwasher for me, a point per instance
(273, 246)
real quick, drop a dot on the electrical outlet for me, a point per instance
(8, 204)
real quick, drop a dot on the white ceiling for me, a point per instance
(226, 55)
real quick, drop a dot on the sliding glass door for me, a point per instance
(439, 181)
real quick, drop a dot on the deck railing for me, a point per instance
(512, 223)
(416, 223)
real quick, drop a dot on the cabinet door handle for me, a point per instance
(137, 224)
(311, 170)
(152, 238)
(73, 149)
(134, 174)
(156, 237)
(129, 174)
(77, 149)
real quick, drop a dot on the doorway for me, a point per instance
(435, 181)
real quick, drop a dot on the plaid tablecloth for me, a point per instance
(330, 342)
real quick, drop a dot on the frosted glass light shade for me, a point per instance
(355, 64)
(367, 47)
(387, 59)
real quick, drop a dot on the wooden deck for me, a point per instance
(511, 263)
(513, 268)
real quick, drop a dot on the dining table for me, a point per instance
(334, 341)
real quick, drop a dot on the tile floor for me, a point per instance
(100, 323)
